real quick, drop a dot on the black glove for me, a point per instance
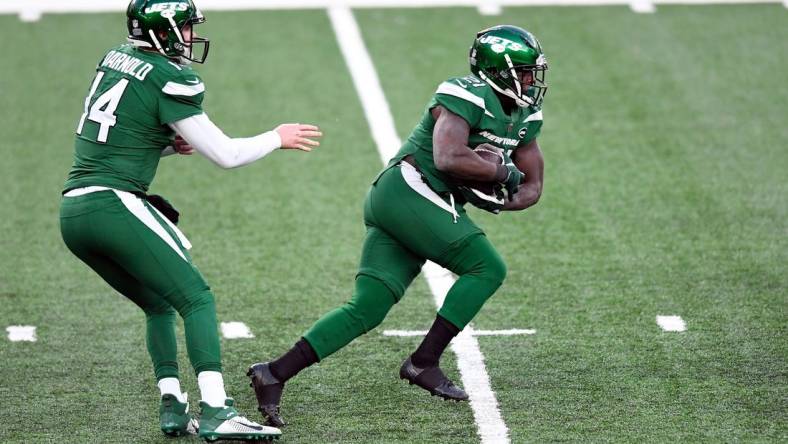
(164, 207)
(513, 177)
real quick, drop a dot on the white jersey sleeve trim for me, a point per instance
(179, 89)
(458, 91)
(534, 116)
(207, 139)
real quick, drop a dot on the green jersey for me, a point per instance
(123, 129)
(475, 101)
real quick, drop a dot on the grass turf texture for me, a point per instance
(665, 194)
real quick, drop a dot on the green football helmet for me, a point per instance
(499, 56)
(158, 24)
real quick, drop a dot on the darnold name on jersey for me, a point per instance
(499, 140)
(127, 64)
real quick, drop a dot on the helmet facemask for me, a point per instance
(507, 81)
(182, 49)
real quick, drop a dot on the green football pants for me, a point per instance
(130, 245)
(408, 223)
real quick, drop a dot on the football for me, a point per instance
(490, 154)
(485, 195)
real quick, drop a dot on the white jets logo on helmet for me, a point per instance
(499, 44)
(169, 6)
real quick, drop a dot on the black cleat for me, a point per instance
(268, 391)
(433, 380)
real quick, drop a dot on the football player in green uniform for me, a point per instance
(414, 212)
(144, 93)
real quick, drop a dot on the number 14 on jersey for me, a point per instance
(103, 109)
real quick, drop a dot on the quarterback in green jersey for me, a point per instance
(145, 93)
(414, 212)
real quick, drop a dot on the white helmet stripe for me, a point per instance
(156, 42)
(175, 28)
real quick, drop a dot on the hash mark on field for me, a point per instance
(671, 323)
(489, 8)
(235, 330)
(17, 333)
(642, 6)
(470, 361)
(30, 15)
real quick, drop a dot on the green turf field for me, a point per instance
(666, 194)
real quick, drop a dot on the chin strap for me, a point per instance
(156, 42)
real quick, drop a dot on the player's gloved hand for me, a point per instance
(298, 136)
(513, 177)
(164, 206)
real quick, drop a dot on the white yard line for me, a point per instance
(17, 333)
(510, 332)
(404, 333)
(470, 360)
(671, 323)
(235, 330)
(366, 82)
